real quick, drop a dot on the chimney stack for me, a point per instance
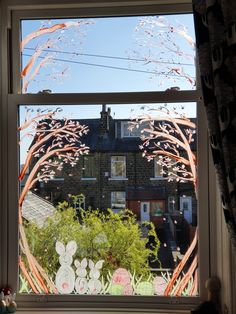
(105, 120)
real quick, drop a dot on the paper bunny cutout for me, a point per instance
(95, 285)
(81, 283)
(65, 277)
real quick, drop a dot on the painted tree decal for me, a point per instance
(167, 135)
(55, 143)
(167, 48)
(48, 42)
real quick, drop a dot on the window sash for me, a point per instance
(14, 101)
(9, 263)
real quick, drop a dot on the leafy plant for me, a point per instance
(115, 238)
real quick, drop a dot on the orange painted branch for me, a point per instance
(45, 276)
(173, 156)
(194, 290)
(27, 276)
(47, 30)
(37, 69)
(181, 265)
(184, 281)
(32, 266)
(31, 62)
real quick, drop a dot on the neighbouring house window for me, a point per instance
(89, 167)
(171, 204)
(118, 167)
(157, 208)
(158, 169)
(128, 131)
(117, 201)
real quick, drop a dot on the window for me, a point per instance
(158, 169)
(88, 167)
(118, 167)
(171, 204)
(158, 208)
(117, 201)
(30, 89)
(128, 131)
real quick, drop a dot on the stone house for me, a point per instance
(115, 175)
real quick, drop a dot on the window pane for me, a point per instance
(112, 54)
(118, 166)
(116, 232)
(89, 167)
(117, 201)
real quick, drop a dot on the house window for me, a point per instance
(88, 167)
(118, 167)
(171, 204)
(39, 68)
(158, 169)
(128, 131)
(117, 201)
(157, 208)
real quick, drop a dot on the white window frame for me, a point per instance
(116, 177)
(11, 98)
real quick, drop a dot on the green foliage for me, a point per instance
(115, 238)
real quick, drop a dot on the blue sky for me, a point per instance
(120, 37)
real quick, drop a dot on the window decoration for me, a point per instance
(100, 264)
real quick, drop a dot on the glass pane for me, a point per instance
(89, 167)
(116, 54)
(107, 235)
(117, 201)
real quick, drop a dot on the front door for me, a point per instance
(186, 208)
(145, 211)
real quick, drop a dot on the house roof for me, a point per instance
(36, 209)
(111, 141)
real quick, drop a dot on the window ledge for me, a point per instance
(101, 310)
(157, 178)
(118, 179)
(57, 179)
(88, 179)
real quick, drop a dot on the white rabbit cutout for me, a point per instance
(65, 277)
(81, 283)
(81, 268)
(95, 285)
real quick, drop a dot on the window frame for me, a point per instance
(9, 167)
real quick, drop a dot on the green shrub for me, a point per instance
(115, 238)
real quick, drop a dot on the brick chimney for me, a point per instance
(105, 120)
